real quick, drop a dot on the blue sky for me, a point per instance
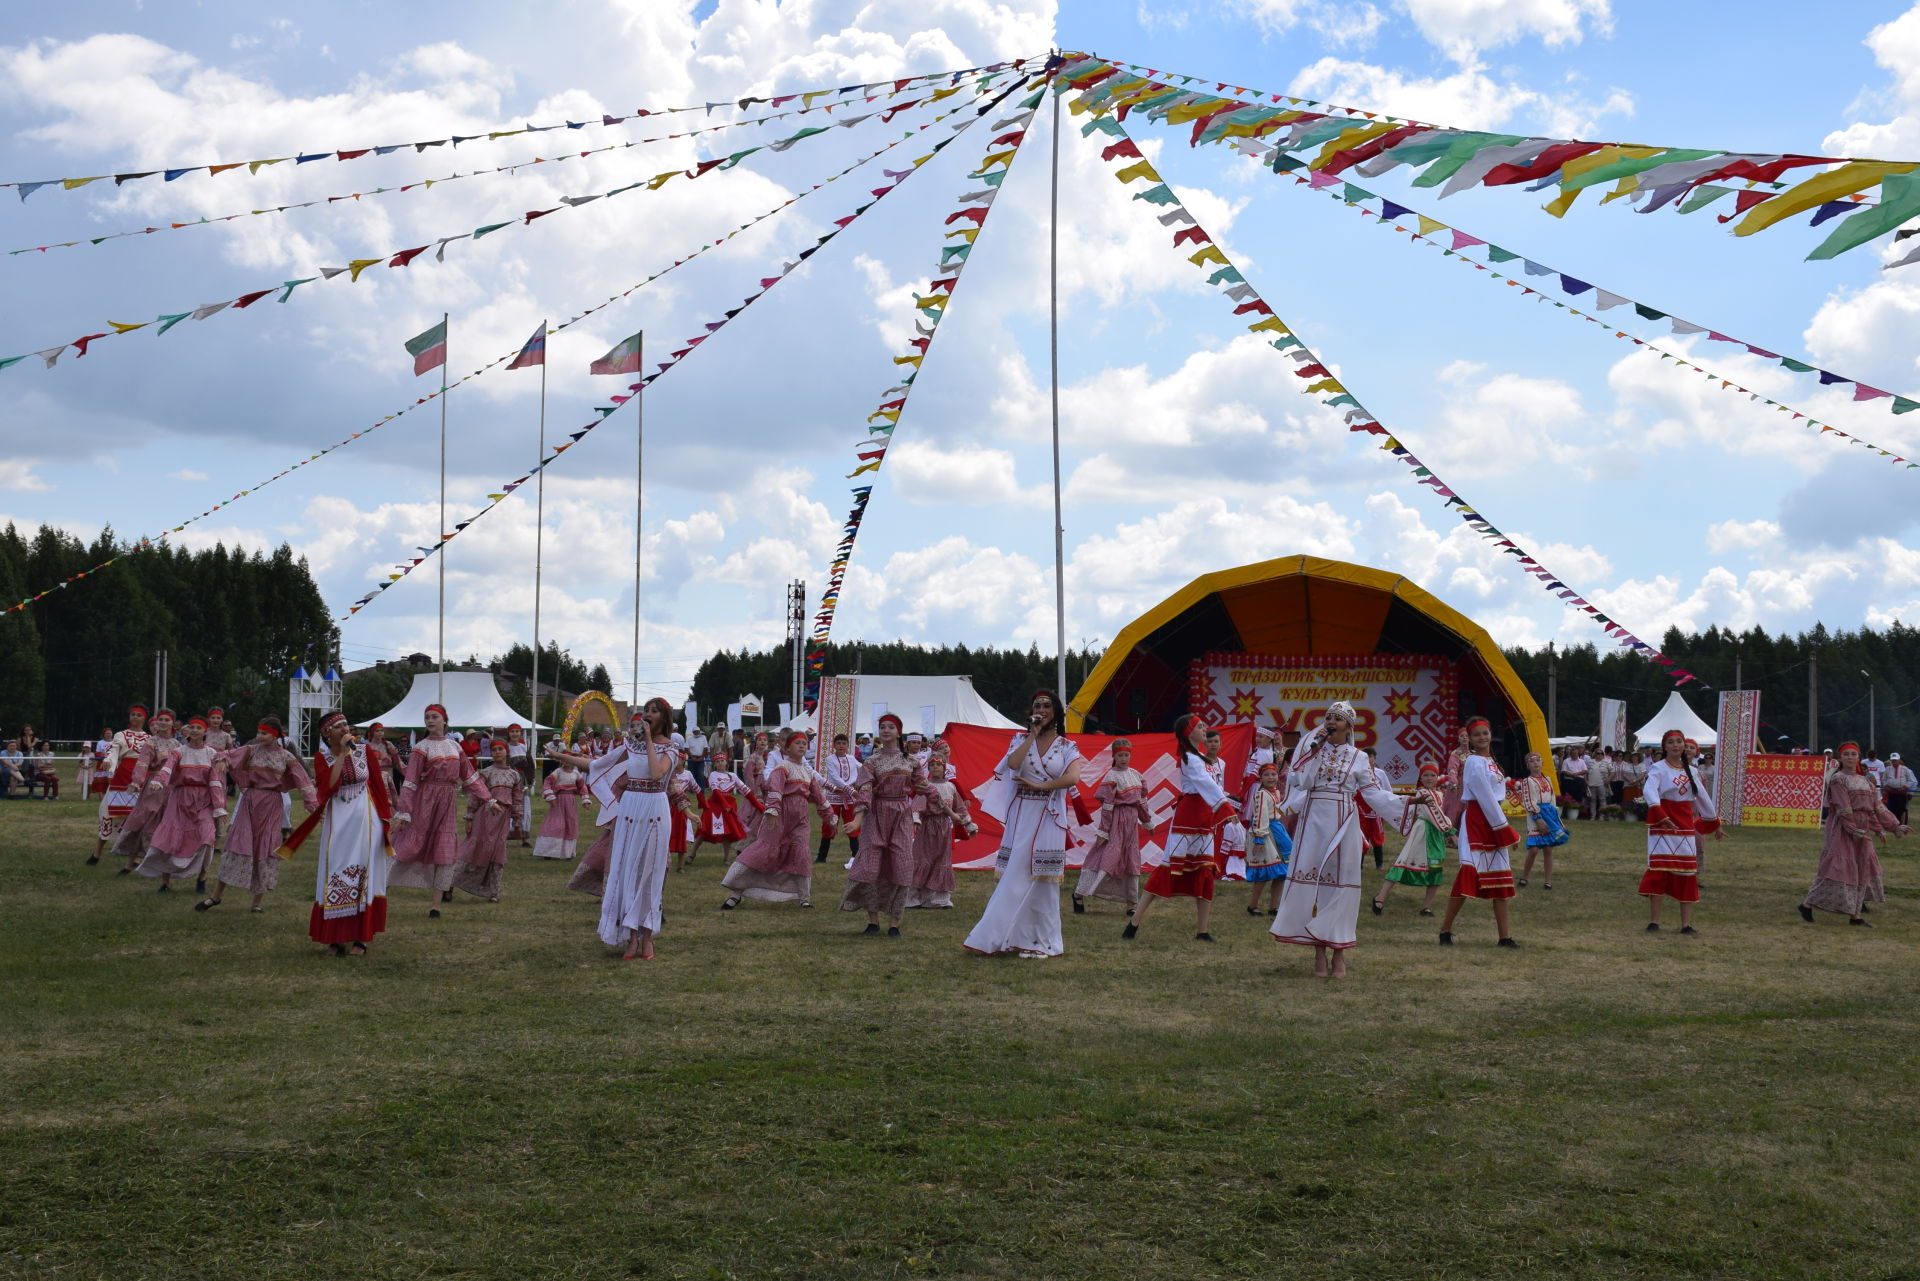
(1663, 499)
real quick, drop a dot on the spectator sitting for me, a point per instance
(12, 769)
(47, 776)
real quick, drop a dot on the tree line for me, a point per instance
(235, 626)
(1006, 678)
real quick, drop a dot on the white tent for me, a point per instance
(919, 701)
(1677, 715)
(473, 702)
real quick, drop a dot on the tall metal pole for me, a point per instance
(441, 550)
(639, 507)
(539, 532)
(1813, 702)
(1053, 348)
(1553, 691)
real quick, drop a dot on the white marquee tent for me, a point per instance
(1677, 715)
(472, 701)
(919, 701)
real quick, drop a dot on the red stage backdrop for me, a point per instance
(977, 750)
(1408, 704)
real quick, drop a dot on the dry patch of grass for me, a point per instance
(489, 1095)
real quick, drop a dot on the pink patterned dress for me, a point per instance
(137, 828)
(943, 805)
(195, 794)
(560, 829)
(263, 771)
(776, 866)
(426, 850)
(1112, 867)
(882, 872)
(483, 855)
(1849, 874)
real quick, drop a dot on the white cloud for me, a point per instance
(1896, 47)
(1741, 535)
(19, 477)
(186, 473)
(1463, 28)
(1469, 98)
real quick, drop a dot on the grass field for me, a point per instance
(489, 1095)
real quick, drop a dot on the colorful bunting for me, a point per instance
(26, 189)
(1359, 419)
(1454, 159)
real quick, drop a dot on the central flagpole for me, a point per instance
(639, 504)
(1053, 315)
(441, 697)
(539, 531)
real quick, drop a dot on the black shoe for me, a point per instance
(433, 914)
(1204, 937)
(338, 949)
(1653, 927)
(1865, 910)
(1377, 909)
(446, 896)
(871, 929)
(1446, 938)
(1507, 943)
(1806, 913)
(1688, 929)
(1252, 910)
(893, 931)
(1857, 921)
(1426, 911)
(1079, 906)
(1130, 931)
(820, 859)
(125, 871)
(1547, 886)
(733, 901)
(93, 860)
(206, 904)
(164, 888)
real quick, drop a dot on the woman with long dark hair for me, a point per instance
(882, 873)
(1040, 767)
(631, 783)
(1193, 857)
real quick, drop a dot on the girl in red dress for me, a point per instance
(1193, 855)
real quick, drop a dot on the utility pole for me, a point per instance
(1813, 703)
(1870, 701)
(1553, 691)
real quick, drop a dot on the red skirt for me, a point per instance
(1471, 882)
(1194, 855)
(720, 818)
(677, 834)
(358, 928)
(1482, 837)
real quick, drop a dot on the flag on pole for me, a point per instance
(623, 359)
(429, 350)
(535, 352)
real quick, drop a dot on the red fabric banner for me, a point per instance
(977, 750)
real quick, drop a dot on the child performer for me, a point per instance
(350, 872)
(1423, 858)
(1269, 847)
(774, 866)
(1111, 869)
(940, 809)
(1848, 877)
(263, 771)
(720, 819)
(683, 795)
(882, 872)
(426, 838)
(137, 830)
(1192, 835)
(191, 781)
(560, 829)
(118, 794)
(483, 855)
(1678, 808)
(838, 775)
(1486, 870)
(1373, 832)
(1545, 828)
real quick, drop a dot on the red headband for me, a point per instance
(799, 734)
(264, 728)
(216, 711)
(1429, 765)
(435, 707)
(889, 716)
(138, 707)
(1478, 720)
(376, 725)
(197, 720)
(327, 721)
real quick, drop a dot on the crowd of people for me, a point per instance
(1297, 826)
